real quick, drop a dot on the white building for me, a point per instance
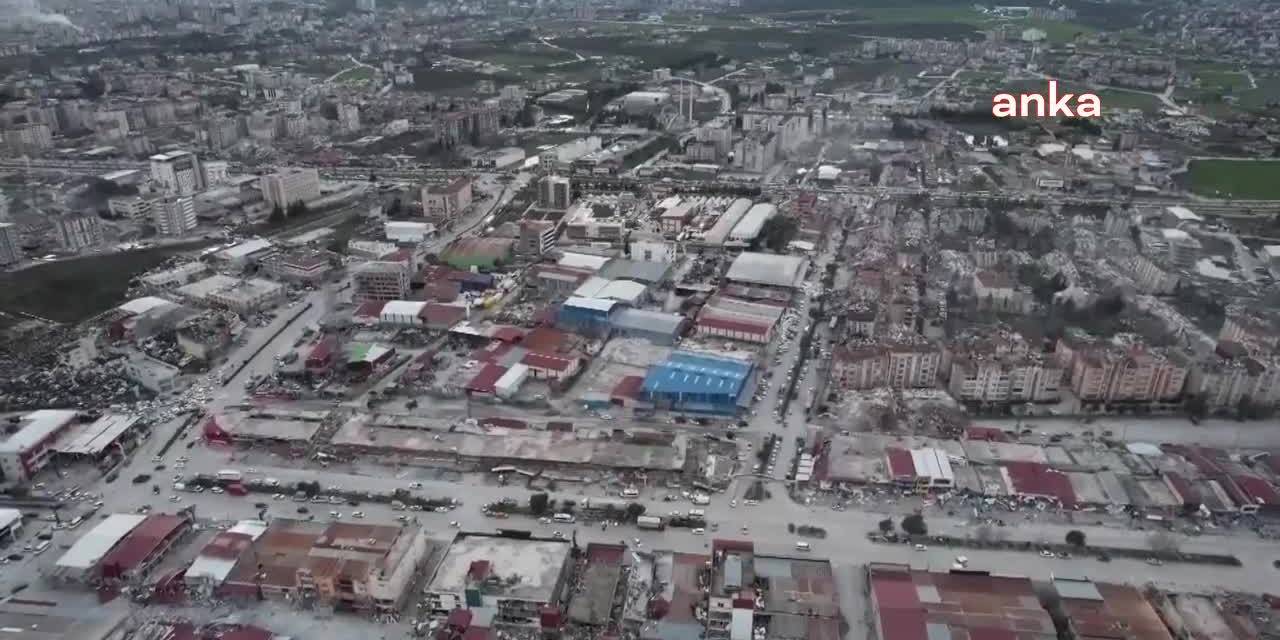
(178, 172)
(1002, 381)
(349, 117)
(752, 223)
(174, 215)
(555, 192)
(76, 233)
(215, 172)
(403, 313)
(153, 375)
(10, 250)
(288, 186)
(406, 232)
(25, 452)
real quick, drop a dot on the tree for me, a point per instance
(1076, 538)
(886, 525)
(538, 503)
(277, 216)
(915, 525)
(634, 510)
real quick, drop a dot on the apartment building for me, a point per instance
(555, 192)
(10, 248)
(1257, 331)
(1121, 371)
(446, 202)
(899, 365)
(1231, 376)
(76, 233)
(381, 281)
(28, 137)
(1007, 380)
(174, 215)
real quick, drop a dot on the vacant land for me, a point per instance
(428, 79)
(355, 75)
(1116, 99)
(72, 290)
(1244, 179)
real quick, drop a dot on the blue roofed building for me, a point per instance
(588, 316)
(695, 382)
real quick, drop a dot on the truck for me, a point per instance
(237, 489)
(655, 523)
(230, 475)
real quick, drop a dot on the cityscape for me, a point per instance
(639, 320)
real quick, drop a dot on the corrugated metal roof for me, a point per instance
(92, 546)
(594, 304)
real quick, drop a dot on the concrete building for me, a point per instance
(349, 118)
(995, 380)
(555, 192)
(174, 215)
(537, 237)
(504, 578)
(1101, 373)
(77, 233)
(1226, 383)
(32, 136)
(446, 202)
(1183, 249)
(299, 265)
(178, 172)
(27, 450)
(363, 567)
(10, 247)
(156, 376)
(381, 281)
(235, 294)
(897, 365)
(132, 207)
(287, 186)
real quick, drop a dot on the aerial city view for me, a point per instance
(639, 320)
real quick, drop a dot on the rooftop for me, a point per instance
(514, 569)
(95, 544)
(768, 269)
(923, 605)
(36, 427)
(691, 373)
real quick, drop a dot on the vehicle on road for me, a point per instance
(803, 546)
(920, 547)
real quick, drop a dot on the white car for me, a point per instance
(357, 514)
(921, 547)
(698, 531)
(217, 490)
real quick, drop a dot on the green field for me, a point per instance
(1116, 99)
(1243, 179)
(358, 74)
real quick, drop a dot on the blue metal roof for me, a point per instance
(683, 372)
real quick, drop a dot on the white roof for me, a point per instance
(402, 308)
(1175, 234)
(751, 224)
(96, 437)
(36, 426)
(245, 248)
(215, 568)
(624, 290)
(597, 304)
(727, 221)
(143, 305)
(95, 544)
(1183, 213)
(8, 517)
(932, 463)
(1272, 250)
(582, 261)
(828, 172)
(768, 269)
(513, 377)
(591, 287)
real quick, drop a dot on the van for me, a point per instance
(697, 513)
(40, 548)
(563, 517)
(802, 546)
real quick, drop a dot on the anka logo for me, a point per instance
(1035, 105)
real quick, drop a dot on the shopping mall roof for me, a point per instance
(95, 437)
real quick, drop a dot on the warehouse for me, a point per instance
(405, 313)
(752, 223)
(586, 315)
(688, 381)
(719, 232)
(655, 326)
(78, 563)
(768, 269)
(143, 547)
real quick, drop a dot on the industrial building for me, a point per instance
(497, 577)
(696, 382)
(122, 547)
(910, 603)
(655, 326)
(751, 224)
(590, 316)
(27, 450)
(768, 269)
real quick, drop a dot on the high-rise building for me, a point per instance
(349, 117)
(178, 172)
(10, 251)
(174, 215)
(28, 137)
(288, 186)
(381, 281)
(78, 232)
(444, 203)
(555, 192)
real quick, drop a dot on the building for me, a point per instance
(1005, 380)
(174, 215)
(1101, 610)
(443, 203)
(178, 172)
(537, 237)
(555, 192)
(142, 548)
(404, 232)
(906, 364)
(510, 579)
(154, 375)
(32, 136)
(27, 450)
(381, 281)
(131, 207)
(1176, 217)
(478, 253)
(299, 265)
(260, 428)
(787, 272)
(242, 296)
(688, 381)
(174, 277)
(344, 565)
(1231, 378)
(80, 562)
(220, 555)
(925, 468)
(10, 246)
(1101, 373)
(589, 316)
(349, 118)
(751, 224)
(912, 603)
(77, 233)
(287, 186)
(247, 253)
(655, 326)
(1183, 248)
